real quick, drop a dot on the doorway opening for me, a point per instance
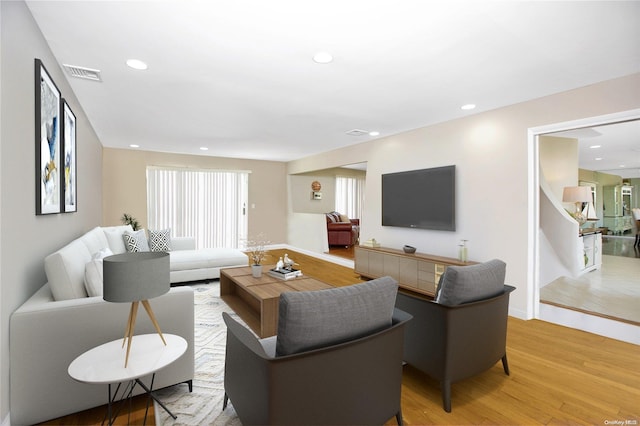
(565, 311)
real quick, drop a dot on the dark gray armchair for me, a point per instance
(454, 342)
(352, 381)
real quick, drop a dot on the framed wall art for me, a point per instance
(69, 159)
(48, 144)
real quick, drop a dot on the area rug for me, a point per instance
(203, 406)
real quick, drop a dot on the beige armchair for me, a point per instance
(352, 378)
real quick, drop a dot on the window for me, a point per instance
(350, 196)
(209, 205)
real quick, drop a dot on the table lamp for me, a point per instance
(136, 277)
(577, 195)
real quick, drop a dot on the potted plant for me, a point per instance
(127, 219)
(256, 249)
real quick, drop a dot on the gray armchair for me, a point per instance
(351, 378)
(452, 342)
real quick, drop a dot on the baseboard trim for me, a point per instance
(590, 323)
(518, 313)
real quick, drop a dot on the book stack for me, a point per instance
(370, 243)
(285, 274)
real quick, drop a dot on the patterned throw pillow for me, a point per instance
(334, 217)
(135, 241)
(160, 240)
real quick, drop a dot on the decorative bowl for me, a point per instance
(409, 249)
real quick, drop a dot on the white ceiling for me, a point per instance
(237, 76)
(613, 148)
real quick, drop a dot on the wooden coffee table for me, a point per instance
(256, 300)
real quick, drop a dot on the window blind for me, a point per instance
(350, 196)
(209, 205)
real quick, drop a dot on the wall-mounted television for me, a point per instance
(424, 199)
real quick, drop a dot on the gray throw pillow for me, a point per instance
(135, 241)
(314, 319)
(463, 284)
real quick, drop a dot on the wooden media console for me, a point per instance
(418, 272)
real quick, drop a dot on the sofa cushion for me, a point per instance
(135, 241)
(95, 240)
(65, 270)
(93, 277)
(114, 237)
(160, 240)
(314, 319)
(182, 260)
(463, 284)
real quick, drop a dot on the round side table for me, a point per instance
(104, 364)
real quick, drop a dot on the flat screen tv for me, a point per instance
(424, 199)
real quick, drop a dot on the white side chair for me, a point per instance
(636, 217)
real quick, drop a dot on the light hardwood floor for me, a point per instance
(95, 416)
(612, 291)
(558, 376)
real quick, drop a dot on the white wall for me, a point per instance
(559, 242)
(301, 199)
(125, 178)
(26, 238)
(493, 163)
(307, 214)
(3, 390)
(559, 164)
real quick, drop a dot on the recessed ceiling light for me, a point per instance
(622, 165)
(204, 148)
(374, 133)
(133, 145)
(357, 132)
(136, 64)
(468, 106)
(598, 158)
(322, 58)
(595, 146)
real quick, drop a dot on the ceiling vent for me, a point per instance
(82, 72)
(357, 132)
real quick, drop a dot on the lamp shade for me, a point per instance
(131, 277)
(576, 194)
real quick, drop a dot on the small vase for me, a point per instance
(256, 271)
(462, 253)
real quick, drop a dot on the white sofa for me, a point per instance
(59, 322)
(65, 268)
